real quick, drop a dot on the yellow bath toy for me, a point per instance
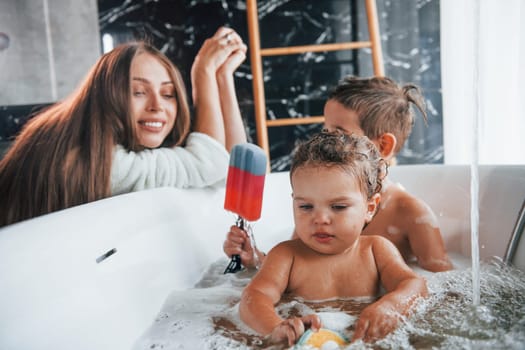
(322, 339)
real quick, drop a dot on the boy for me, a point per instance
(380, 109)
(336, 180)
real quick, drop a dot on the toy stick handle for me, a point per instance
(235, 262)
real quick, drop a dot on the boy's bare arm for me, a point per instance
(403, 286)
(424, 236)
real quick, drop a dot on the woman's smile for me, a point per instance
(152, 125)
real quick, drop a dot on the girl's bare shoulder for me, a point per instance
(376, 242)
(368, 240)
(288, 247)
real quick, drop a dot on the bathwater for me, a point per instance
(206, 317)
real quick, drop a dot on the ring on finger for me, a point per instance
(228, 38)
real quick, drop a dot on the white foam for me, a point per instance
(336, 321)
(429, 219)
(206, 317)
(393, 230)
(330, 345)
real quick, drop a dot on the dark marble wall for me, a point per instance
(297, 85)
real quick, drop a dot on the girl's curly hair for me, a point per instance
(356, 155)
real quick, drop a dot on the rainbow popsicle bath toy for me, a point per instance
(244, 188)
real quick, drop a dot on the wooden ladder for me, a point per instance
(257, 53)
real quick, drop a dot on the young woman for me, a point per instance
(127, 128)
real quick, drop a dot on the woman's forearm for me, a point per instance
(233, 123)
(208, 111)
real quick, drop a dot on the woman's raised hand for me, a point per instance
(219, 49)
(238, 55)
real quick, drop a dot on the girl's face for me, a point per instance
(330, 210)
(153, 103)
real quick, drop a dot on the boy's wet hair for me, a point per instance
(382, 105)
(355, 154)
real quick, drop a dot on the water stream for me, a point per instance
(474, 178)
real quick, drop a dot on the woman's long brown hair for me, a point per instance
(63, 156)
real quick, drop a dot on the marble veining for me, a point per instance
(295, 85)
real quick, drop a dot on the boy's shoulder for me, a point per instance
(405, 203)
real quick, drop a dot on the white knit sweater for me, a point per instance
(202, 162)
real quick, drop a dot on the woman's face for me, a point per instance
(153, 103)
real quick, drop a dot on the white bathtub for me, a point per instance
(54, 294)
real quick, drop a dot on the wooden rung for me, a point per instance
(294, 121)
(292, 50)
(256, 54)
